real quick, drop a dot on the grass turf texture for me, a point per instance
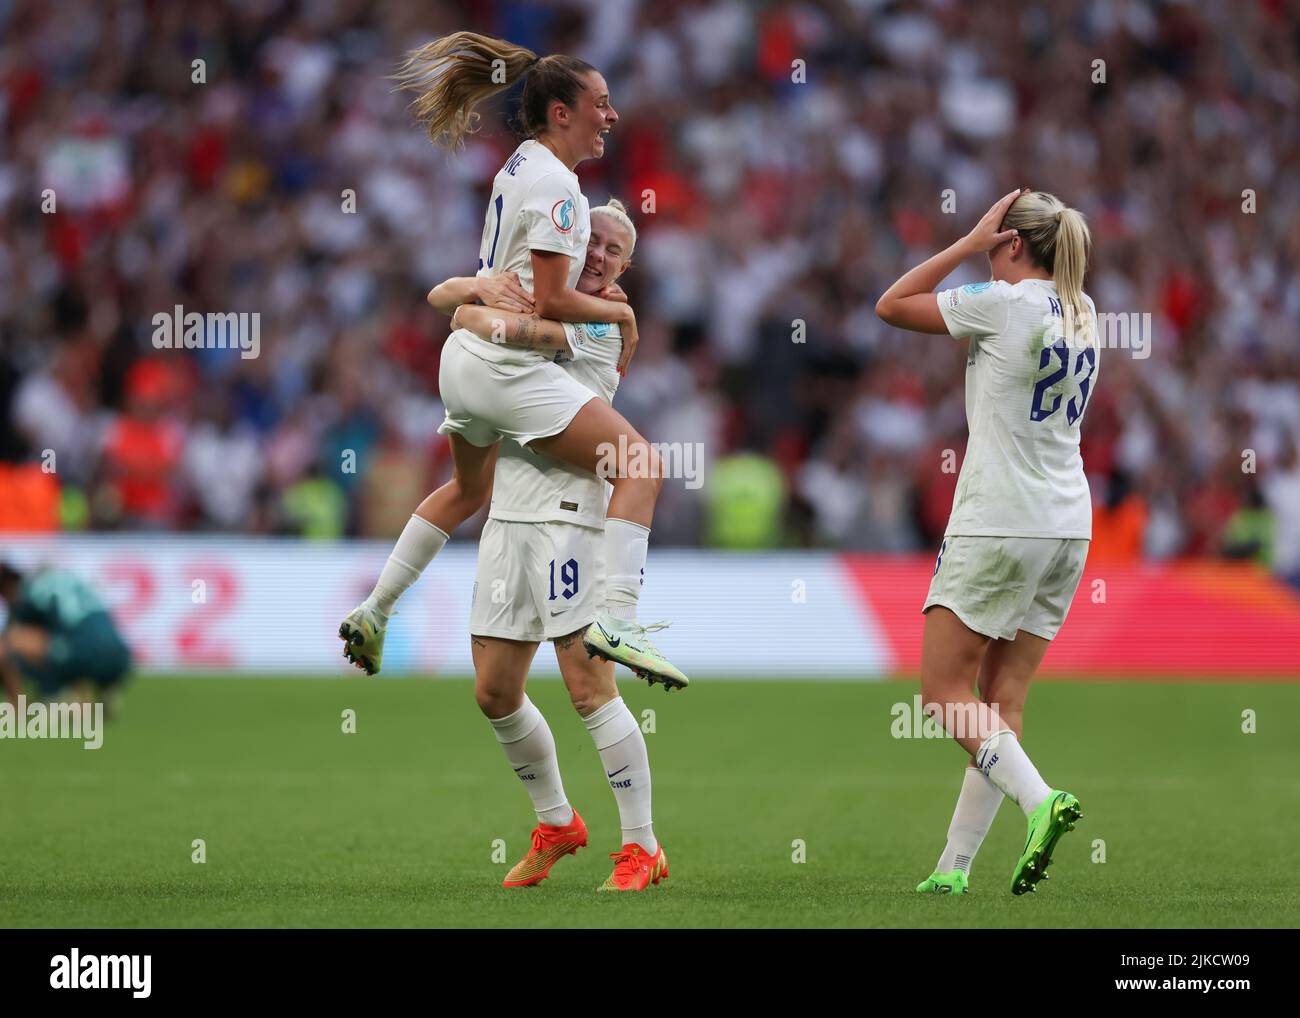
(394, 825)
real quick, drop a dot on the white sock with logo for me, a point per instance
(526, 738)
(623, 753)
(1004, 763)
(977, 805)
(626, 547)
(419, 541)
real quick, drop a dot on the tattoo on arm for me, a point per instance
(525, 329)
(477, 642)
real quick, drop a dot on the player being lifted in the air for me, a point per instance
(541, 577)
(536, 227)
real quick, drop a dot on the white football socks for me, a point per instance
(1005, 764)
(626, 547)
(419, 541)
(977, 805)
(622, 751)
(526, 738)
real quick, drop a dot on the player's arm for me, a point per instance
(19, 638)
(503, 291)
(555, 299)
(910, 303)
(511, 328)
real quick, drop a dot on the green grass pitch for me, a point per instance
(394, 825)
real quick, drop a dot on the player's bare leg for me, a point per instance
(596, 439)
(423, 537)
(1006, 670)
(950, 657)
(500, 671)
(26, 641)
(640, 860)
(19, 640)
(1007, 677)
(599, 439)
(469, 488)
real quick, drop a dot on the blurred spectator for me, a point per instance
(773, 209)
(746, 496)
(142, 453)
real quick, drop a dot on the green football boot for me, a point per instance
(625, 642)
(955, 882)
(1058, 814)
(362, 633)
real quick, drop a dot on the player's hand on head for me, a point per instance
(613, 292)
(988, 232)
(505, 293)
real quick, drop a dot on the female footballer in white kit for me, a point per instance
(536, 228)
(541, 577)
(1014, 548)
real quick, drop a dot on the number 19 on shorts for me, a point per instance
(568, 579)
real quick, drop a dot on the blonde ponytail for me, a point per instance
(1073, 243)
(1059, 241)
(453, 75)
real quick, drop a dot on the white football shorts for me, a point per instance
(998, 586)
(487, 400)
(537, 581)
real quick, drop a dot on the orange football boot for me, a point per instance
(635, 869)
(550, 843)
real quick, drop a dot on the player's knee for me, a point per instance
(947, 686)
(643, 471)
(589, 695)
(589, 681)
(497, 703)
(656, 478)
(1007, 697)
(584, 701)
(470, 493)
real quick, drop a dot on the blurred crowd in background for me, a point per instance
(797, 158)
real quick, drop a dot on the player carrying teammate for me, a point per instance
(1015, 545)
(537, 227)
(541, 577)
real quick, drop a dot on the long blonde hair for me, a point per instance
(1058, 240)
(453, 75)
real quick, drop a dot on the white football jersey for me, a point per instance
(1027, 387)
(530, 488)
(536, 205)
